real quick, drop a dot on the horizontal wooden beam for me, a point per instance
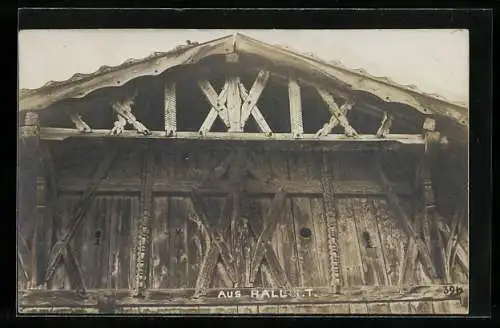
(341, 141)
(183, 297)
(306, 187)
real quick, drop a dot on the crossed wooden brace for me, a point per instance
(404, 221)
(220, 235)
(248, 107)
(62, 250)
(338, 115)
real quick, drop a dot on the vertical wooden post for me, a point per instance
(170, 109)
(297, 127)
(234, 104)
(233, 101)
(331, 222)
(432, 139)
(27, 194)
(144, 226)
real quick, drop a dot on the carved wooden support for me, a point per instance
(432, 144)
(461, 254)
(217, 245)
(217, 101)
(61, 249)
(452, 244)
(338, 114)
(123, 109)
(28, 214)
(270, 221)
(79, 123)
(385, 125)
(170, 109)
(297, 126)
(331, 223)
(404, 221)
(144, 227)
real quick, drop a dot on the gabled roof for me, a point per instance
(80, 85)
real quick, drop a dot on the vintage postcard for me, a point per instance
(237, 172)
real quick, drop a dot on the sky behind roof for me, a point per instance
(437, 61)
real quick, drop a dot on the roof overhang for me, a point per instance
(81, 85)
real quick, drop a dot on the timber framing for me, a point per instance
(329, 142)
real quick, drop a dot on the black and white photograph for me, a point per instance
(210, 171)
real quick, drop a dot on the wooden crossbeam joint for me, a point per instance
(338, 115)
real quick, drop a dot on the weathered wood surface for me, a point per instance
(180, 241)
(377, 309)
(405, 139)
(300, 186)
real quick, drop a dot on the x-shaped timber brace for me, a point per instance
(234, 105)
(235, 165)
(62, 251)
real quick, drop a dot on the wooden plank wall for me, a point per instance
(106, 261)
(371, 244)
(429, 308)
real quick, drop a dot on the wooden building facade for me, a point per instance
(238, 177)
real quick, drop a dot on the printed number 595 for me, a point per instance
(453, 291)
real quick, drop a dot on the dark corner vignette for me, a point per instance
(237, 174)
